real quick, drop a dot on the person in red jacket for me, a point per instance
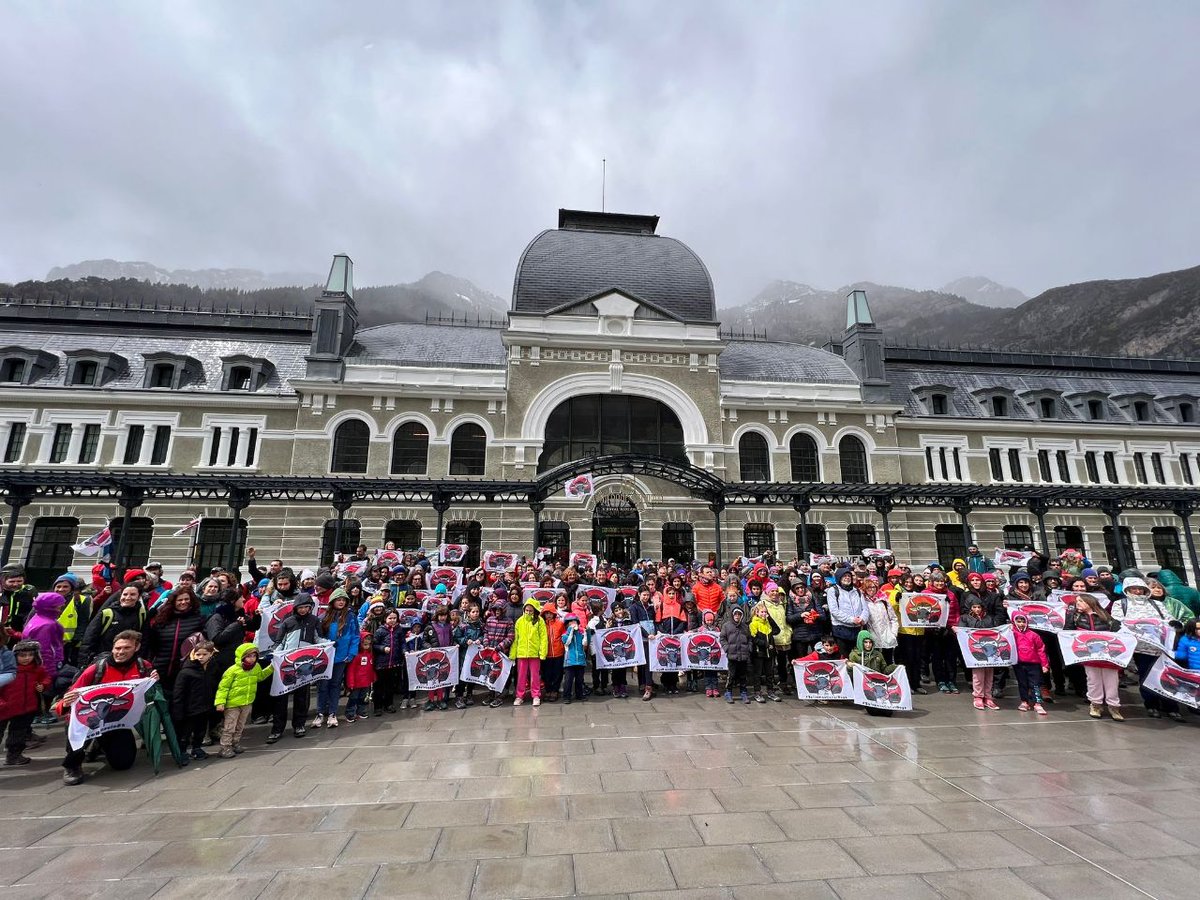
(1032, 664)
(552, 667)
(120, 664)
(707, 592)
(20, 701)
(360, 675)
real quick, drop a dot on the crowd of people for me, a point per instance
(205, 641)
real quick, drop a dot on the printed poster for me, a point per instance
(1097, 646)
(106, 707)
(1152, 634)
(881, 691)
(486, 666)
(822, 559)
(702, 651)
(823, 679)
(619, 648)
(580, 488)
(1049, 616)
(602, 595)
(987, 648)
(1180, 684)
(872, 553)
(666, 653)
(293, 669)
(539, 595)
(450, 576)
(580, 560)
(1004, 559)
(496, 562)
(924, 610)
(452, 554)
(432, 669)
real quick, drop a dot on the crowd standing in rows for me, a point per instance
(199, 637)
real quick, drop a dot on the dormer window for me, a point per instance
(1187, 413)
(938, 404)
(84, 372)
(171, 371)
(1000, 406)
(1095, 410)
(1141, 411)
(13, 370)
(243, 373)
(93, 368)
(936, 399)
(162, 375)
(1048, 408)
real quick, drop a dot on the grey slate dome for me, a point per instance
(592, 253)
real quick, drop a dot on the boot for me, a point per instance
(1094, 711)
(1115, 712)
(73, 776)
(16, 758)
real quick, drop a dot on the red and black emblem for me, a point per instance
(1098, 643)
(669, 651)
(579, 486)
(618, 647)
(1149, 629)
(487, 664)
(448, 577)
(988, 646)
(410, 618)
(923, 608)
(704, 650)
(501, 561)
(275, 626)
(881, 688)
(302, 664)
(824, 678)
(542, 595)
(1183, 683)
(433, 666)
(1043, 616)
(595, 595)
(104, 704)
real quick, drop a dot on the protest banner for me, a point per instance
(580, 488)
(486, 666)
(1004, 559)
(987, 648)
(593, 594)
(300, 666)
(1068, 597)
(1153, 634)
(539, 595)
(822, 559)
(450, 576)
(666, 653)
(271, 631)
(411, 617)
(497, 563)
(581, 560)
(702, 651)
(1097, 646)
(432, 669)
(106, 707)
(618, 648)
(881, 691)
(452, 554)
(924, 610)
(823, 679)
(1176, 682)
(388, 558)
(542, 553)
(1049, 615)
(871, 553)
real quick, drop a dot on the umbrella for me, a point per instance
(156, 721)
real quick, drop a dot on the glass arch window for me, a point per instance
(468, 451)
(754, 459)
(805, 461)
(854, 460)
(604, 424)
(351, 443)
(410, 449)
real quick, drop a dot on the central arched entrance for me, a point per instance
(616, 533)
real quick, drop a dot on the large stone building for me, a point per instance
(612, 361)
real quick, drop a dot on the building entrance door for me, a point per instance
(616, 535)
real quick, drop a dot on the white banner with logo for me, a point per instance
(1114, 647)
(702, 651)
(823, 679)
(1176, 682)
(106, 707)
(432, 669)
(486, 666)
(666, 653)
(293, 669)
(881, 691)
(619, 648)
(924, 610)
(987, 648)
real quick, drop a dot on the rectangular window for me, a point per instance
(1000, 406)
(1014, 464)
(942, 460)
(13, 371)
(1185, 466)
(61, 443)
(1110, 467)
(1167, 552)
(48, 552)
(212, 544)
(1141, 411)
(84, 373)
(957, 465)
(859, 538)
(1095, 410)
(1064, 466)
(996, 464)
(1068, 537)
(1139, 467)
(162, 375)
(90, 444)
(133, 444)
(1089, 463)
(929, 463)
(162, 442)
(16, 442)
(215, 448)
(950, 544)
(1110, 547)
(678, 542)
(251, 446)
(405, 534)
(1156, 466)
(758, 537)
(939, 404)
(554, 536)
(1017, 537)
(1047, 407)
(814, 539)
(1043, 457)
(231, 458)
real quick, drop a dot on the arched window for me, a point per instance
(468, 450)
(410, 449)
(758, 538)
(405, 534)
(806, 464)
(605, 424)
(754, 459)
(469, 533)
(351, 442)
(48, 552)
(351, 531)
(859, 538)
(854, 460)
(137, 546)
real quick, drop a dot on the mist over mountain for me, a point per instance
(205, 279)
(985, 292)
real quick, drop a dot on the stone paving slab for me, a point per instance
(678, 797)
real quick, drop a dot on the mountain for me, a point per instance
(437, 294)
(1150, 316)
(984, 292)
(205, 279)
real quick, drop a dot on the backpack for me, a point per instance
(144, 668)
(107, 615)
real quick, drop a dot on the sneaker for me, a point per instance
(443, 705)
(364, 714)
(990, 703)
(199, 753)
(1023, 706)
(997, 693)
(1153, 714)
(1115, 712)
(73, 776)
(274, 736)
(227, 753)
(319, 721)
(567, 702)
(943, 688)
(979, 703)
(951, 687)
(1176, 715)
(519, 701)
(392, 709)
(331, 722)
(494, 704)
(429, 706)
(728, 697)
(1040, 710)
(468, 702)
(1094, 711)
(759, 698)
(17, 759)
(260, 720)
(537, 701)
(745, 697)
(239, 749)
(774, 697)
(647, 694)
(920, 690)
(299, 732)
(460, 704)
(350, 718)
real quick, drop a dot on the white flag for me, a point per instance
(486, 666)
(293, 669)
(188, 527)
(881, 691)
(107, 707)
(432, 669)
(985, 648)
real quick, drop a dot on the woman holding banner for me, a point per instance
(1103, 678)
(1135, 602)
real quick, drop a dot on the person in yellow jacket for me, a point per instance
(529, 648)
(76, 614)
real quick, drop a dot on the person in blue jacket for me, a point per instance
(575, 659)
(339, 626)
(1187, 651)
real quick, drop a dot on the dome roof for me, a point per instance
(590, 254)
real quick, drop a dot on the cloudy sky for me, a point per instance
(901, 142)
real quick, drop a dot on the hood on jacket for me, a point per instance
(241, 652)
(863, 637)
(31, 647)
(1130, 582)
(49, 604)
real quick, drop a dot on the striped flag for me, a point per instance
(188, 527)
(98, 543)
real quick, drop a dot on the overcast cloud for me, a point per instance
(901, 142)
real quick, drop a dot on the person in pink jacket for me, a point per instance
(1032, 664)
(43, 626)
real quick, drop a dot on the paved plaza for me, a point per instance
(681, 796)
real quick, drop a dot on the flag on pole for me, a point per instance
(98, 544)
(188, 527)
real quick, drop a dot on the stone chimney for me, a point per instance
(335, 319)
(862, 348)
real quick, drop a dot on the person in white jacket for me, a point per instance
(1135, 602)
(882, 621)
(847, 610)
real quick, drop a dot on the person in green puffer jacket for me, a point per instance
(235, 696)
(1177, 590)
(868, 657)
